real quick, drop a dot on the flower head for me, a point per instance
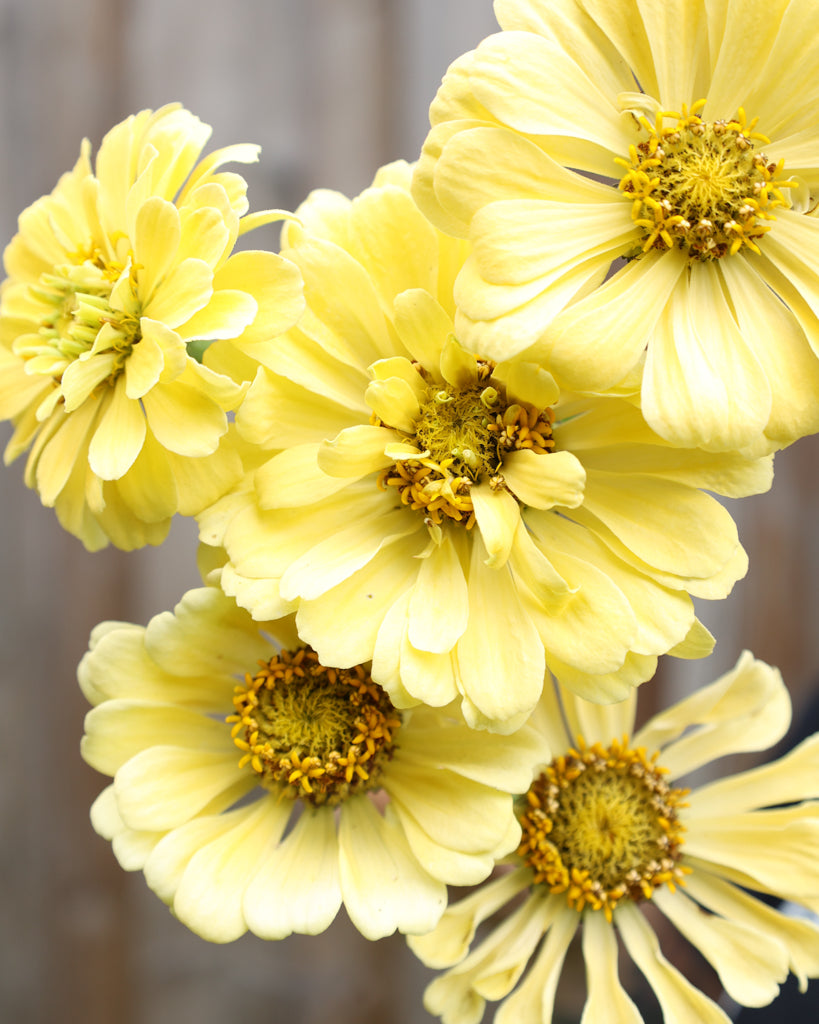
(116, 281)
(607, 829)
(673, 146)
(259, 790)
(461, 522)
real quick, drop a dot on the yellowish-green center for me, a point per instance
(75, 309)
(601, 825)
(464, 434)
(314, 732)
(701, 186)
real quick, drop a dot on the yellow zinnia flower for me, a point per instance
(681, 136)
(110, 278)
(219, 730)
(606, 828)
(460, 522)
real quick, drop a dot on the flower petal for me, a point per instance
(439, 605)
(383, 885)
(297, 887)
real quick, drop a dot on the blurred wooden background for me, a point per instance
(331, 89)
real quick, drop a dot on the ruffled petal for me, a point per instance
(297, 887)
(383, 885)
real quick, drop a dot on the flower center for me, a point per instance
(321, 733)
(76, 319)
(601, 825)
(463, 434)
(700, 185)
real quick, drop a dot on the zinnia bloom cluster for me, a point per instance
(117, 281)
(461, 522)
(673, 143)
(457, 455)
(219, 730)
(607, 828)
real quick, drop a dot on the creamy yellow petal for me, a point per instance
(292, 478)
(679, 999)
(183, 419)
(430, 795)
(606, 996)
(528, 382)
(774, 849)
(149, 488)
(604, 687)
(533, 85)
(183, 292)
(119, 436)
(393, 241)
(752, 693)
(144, 364)
(341, 294)
(543, 481)
(383, 886)
(349, 638)
(533, 1001)
(209, 895)
(339, 557)
(156, 242)
(662, 522)
(439, 605)
(162, 787)
(297, 887)
(800, 937)
(498, 515)
(423, 326)
(702, 383)
(449, 942)
(276, 285)
(226, 315)
(119, 729)
(501, 761)
(500, 646)
(751, 964)
(782, 349)
(63, 448)
(519, 240)
(795, 776)
(277, 413)
(567, 632)
(595, 341)
(356, 451)
(206, 637)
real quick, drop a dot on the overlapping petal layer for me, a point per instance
(733, 846)
(225, 846)
(117, 281)
(723, 321)
(460, 521)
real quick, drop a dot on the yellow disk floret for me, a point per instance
(321, 733)
(464, 434)
(600, 825)
(701, 186)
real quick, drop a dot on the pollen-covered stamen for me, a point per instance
(600, 825)
(700, 185)
(320, 733)
(464, 434)
(75, 308)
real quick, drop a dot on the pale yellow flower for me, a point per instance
(461, 523)
(607, 829)
(259, 790)
(116, 281)
(682, 136)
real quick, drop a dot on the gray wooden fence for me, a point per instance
(331, 89)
